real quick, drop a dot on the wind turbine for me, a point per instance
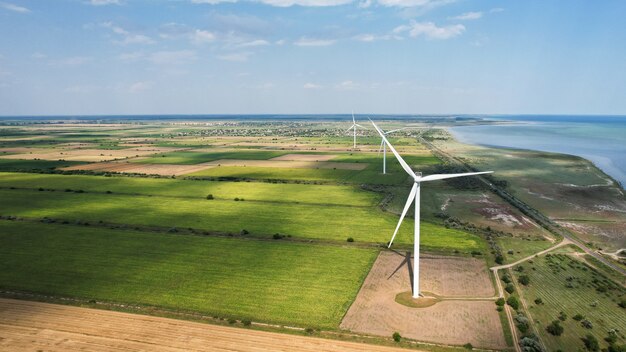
(383, 146)
(414, 196)
(353, 127)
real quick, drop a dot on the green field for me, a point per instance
(187, 158)
(260, 191)
(550, 277)
(324, 222)
(31, 165)
(271, 281)
(521, 247)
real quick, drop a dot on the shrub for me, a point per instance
(506, 278)
(309, 330)
(562, 316)
(591, 343)
(277, 236)
(524, 280)
(586, 324)
(555, 328)
(622, 303)
(350, 239)
(468, 346)
(499, 259)
(246, 322)
(476, 253)
(244, 232)
(530, 344)
(231, 321)
(509, 288)
(500, 302)
(513, 302)
(616, 348)
(522, 323)
(396, 336)
(538, 301)
(236, 199)
(578, 317)
(209, 197)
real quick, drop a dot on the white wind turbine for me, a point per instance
(414, 195)
(383, 147)
(353, 127)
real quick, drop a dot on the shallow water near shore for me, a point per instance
(600, 139)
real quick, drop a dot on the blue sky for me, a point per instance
(312, 56)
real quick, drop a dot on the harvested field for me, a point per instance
(149, 169)
(30, 326)
(306, 157)
(457, 321)
(290, 164)
(93, 155)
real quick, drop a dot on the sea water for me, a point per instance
(600, 139)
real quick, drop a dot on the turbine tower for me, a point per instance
(414, 196)
(383, 147)
(353, 127)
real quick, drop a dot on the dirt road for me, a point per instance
(32, 326)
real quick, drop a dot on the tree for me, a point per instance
(524, 280)
(586, 324)
(468, 346)
(578, 317)
(530, 344)
(506, 278)
(499, 259)
(500, 302)
(350, 239)
(591, 343)
(538, 301)
(555, 328)
(396, 336)
(209, 197)
(513, 302)
(522, 323)
(510, 288)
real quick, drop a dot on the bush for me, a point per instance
(538, 301)
(246, 322)
(616, 348)
(524, 280)
(396, 336)
(530, 344)
(209, 197)
(591, 343)
(231, 321)
(522, 323)
(622, 303)
(236, 199)
(468, 346)
(513, 302)
(309, 330)
(277, 236)
(510, 288)
(499, 259)
(500, 302)
(555, 328)
(562, 316)
(506, 278)
(350, 239)
(586, 324)
(244, 232)
(578, 317)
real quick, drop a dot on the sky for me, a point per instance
(102, 57)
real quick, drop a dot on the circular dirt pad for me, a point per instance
(426, 300)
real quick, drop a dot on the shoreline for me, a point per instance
(602, 169)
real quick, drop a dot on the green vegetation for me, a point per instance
(226, 216)
(187, 158)
(280, 282)
(516, 248)
(34, 165)
(569, 287)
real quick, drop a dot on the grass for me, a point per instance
(187, 158)
(33, 165)
(521, 247)
(549, 277)
(295, 193)
(324, 222)
(278, 282)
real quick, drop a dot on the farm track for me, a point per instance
(25, 326)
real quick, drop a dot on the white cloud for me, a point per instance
(468, 16)
(311, 86)
(140, 86)
(253, 43)
(347, 85)
(103, 2)
(172, 57)
(314, 42)
(235, 57)
(211, 2)
(134, 56)
(363, 4)
(280, 42)
(430, 30)
(427, 4)
(38, 56)
(373, 37)
(202, 37)
(13, 7)
(312, 3)
(496, 10)
(127, 37)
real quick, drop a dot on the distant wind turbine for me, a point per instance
(353, 127)
(383, 147)
(414, 196)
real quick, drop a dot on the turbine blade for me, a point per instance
(353, 120)
(382, 143)
(396, 130)
(405, 166)
(356, 124)
(351, 127)
(406, 209)
(444, 176)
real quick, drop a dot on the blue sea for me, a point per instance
(600, 139)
